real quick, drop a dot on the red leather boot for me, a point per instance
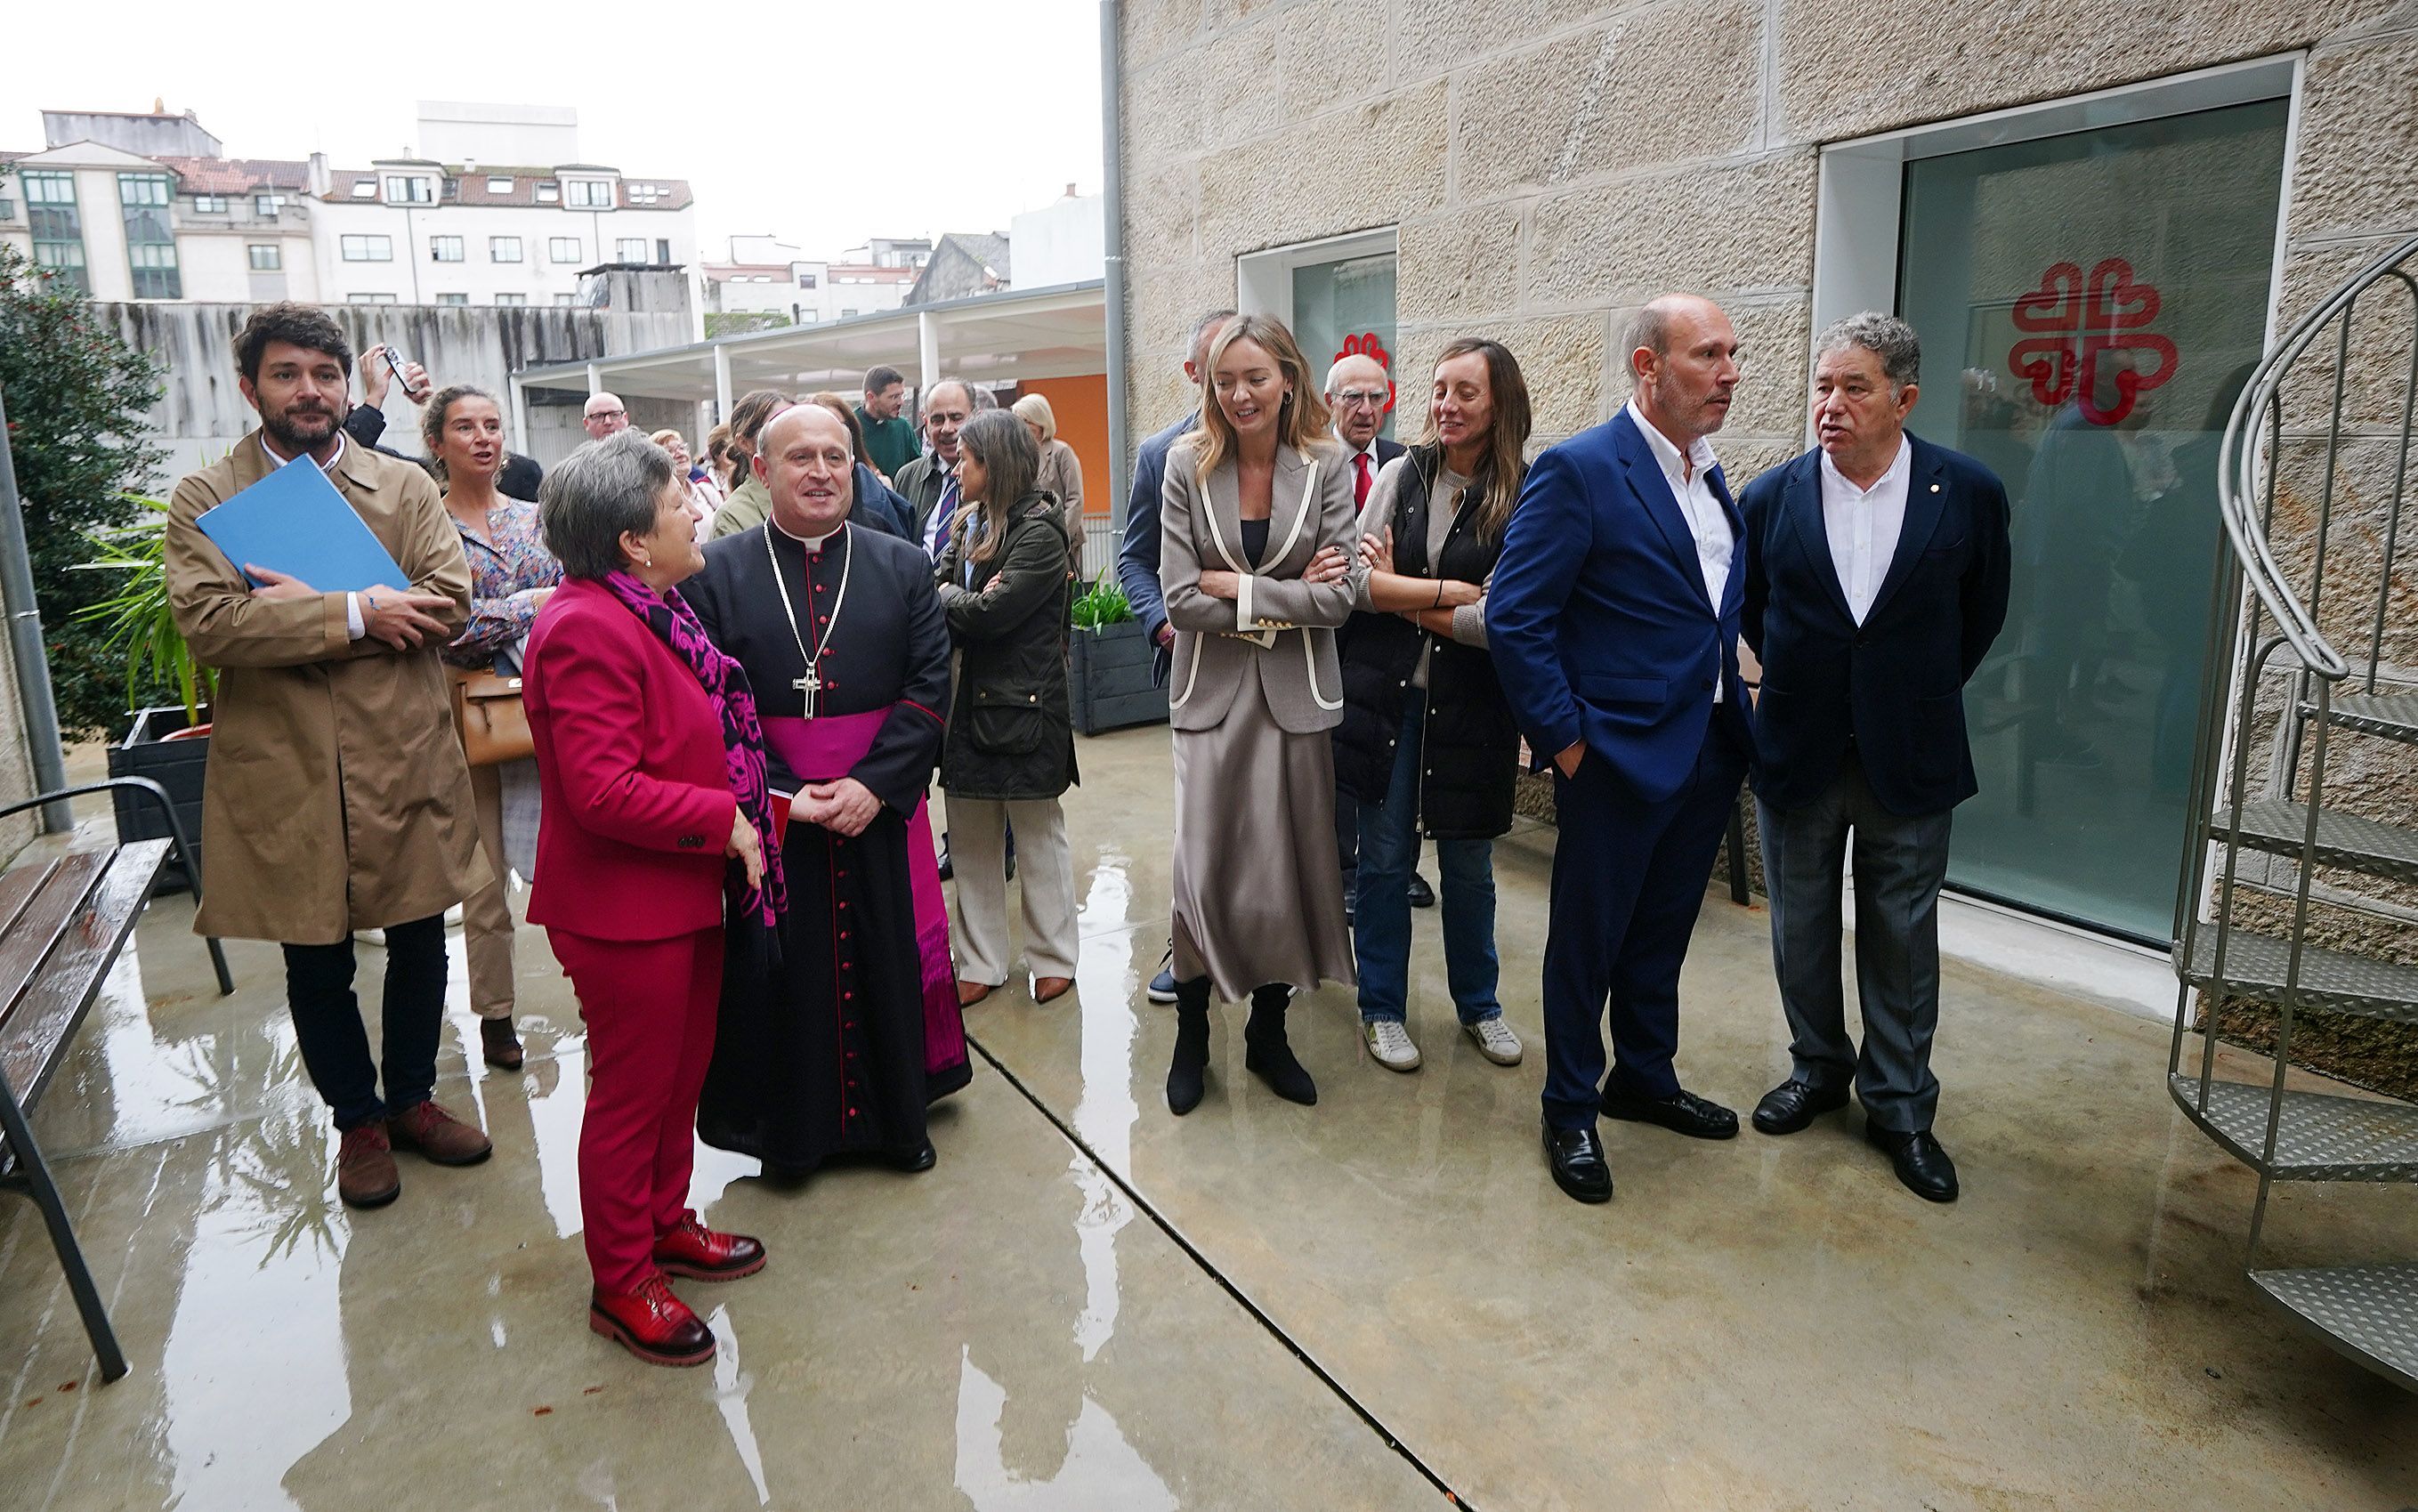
(701, 1254)
(651, 1323)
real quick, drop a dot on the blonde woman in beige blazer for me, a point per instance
(1256, 564)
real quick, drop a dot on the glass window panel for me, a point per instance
(562, 248)
(504, 249)
(2043, 278)
(1346, 305)
(511, 300)
(452, 299)
(266, 256)
(444, 249)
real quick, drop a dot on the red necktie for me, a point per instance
(1359, 479)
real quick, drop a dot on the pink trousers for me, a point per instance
(650, 1007)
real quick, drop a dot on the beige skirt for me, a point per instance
(1258, 886)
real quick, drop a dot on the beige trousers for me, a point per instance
(1044, 869)
(487, 913)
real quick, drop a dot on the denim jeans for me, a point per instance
(334, 1042)
(1389, 849)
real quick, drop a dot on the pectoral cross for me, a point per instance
(808, 686)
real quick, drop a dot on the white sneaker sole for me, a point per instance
(1483, 1050)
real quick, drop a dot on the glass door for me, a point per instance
(1343, 307)
(2089, 306)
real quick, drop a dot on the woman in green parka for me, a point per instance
(1010, 751)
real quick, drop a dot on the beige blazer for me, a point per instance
(1276, 639)
(1061, 473)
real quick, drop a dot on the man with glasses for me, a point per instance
(604, 415)
(931, 481)
(1361, 394)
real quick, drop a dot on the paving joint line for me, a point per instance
(1167, 1225)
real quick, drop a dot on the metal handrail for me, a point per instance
(2239, 465)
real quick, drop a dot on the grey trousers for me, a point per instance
(1899, 864)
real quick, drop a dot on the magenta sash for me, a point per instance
(823, 750)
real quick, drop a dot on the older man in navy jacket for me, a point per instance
(1876, 581)
(1614, 622)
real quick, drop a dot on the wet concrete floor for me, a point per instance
(1249, 1307)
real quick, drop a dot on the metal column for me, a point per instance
(26, 647)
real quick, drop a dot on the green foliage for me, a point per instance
(77, 396)
(135, 618)
(1102, 605)
(740, 322)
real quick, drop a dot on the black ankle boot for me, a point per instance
(1187, 1069)
(1265, 1051)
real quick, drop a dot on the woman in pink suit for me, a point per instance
(651, 767)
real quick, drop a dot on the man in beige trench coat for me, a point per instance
(336, 797)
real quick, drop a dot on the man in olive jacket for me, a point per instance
(336, 797)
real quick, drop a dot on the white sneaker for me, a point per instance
(1494, 1040)
(1390, 1043)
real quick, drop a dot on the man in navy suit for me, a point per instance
(1138, 559)
(1875, 580)
(1359, 393)
(1614, 622)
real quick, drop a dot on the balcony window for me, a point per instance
(58, 227)
(143, 201)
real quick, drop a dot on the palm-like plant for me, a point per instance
(136, 618)
(1102, 605)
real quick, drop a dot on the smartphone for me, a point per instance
(395, 365)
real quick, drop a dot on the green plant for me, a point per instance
(135, 622)
(1102, 605)
(79, 396)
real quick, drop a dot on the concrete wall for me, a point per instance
(1552, 163)
(202, 413)
(1063, 242)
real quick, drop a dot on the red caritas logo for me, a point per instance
(1366, 345)
(2097, 354)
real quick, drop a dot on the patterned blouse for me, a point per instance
(505, 579)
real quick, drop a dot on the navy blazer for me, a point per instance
(1598, 617)
(1895, 683)
(1138, 559)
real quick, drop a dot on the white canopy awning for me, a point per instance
(989, 339)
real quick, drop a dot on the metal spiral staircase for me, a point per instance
(2275, 858)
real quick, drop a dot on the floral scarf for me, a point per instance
(742, 738)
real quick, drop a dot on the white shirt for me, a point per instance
(354, 626)
(1863, 524)
(1691, 481)
(1350, 463)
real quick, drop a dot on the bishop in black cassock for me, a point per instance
(823, 1046)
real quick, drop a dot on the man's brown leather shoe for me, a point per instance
(701, 1254)
(438, 1135)
(365, 1173)
(499, 1046)
(651, 1323)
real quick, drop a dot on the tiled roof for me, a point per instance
(236, 176)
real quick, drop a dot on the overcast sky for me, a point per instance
(821, 123)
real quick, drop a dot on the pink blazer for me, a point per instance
(636, 802)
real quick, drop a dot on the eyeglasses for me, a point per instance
(609, 413)
(1362, 398)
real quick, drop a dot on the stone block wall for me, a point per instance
(1551, 163)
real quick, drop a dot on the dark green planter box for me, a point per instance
(174, 765)
(1112, 687)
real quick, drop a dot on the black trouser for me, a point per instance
(335, 1044)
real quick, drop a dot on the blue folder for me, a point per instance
(294, 522)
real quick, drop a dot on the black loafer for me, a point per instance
(1682, 1112)
(1794, 1105)
(1422, 895)
(915, 1157)
(1922, 1167)
(1576, 1156)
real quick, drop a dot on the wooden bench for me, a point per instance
(64, 917)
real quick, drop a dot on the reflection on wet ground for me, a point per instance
(1764, 1323)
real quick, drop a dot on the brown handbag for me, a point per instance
(487, 712)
